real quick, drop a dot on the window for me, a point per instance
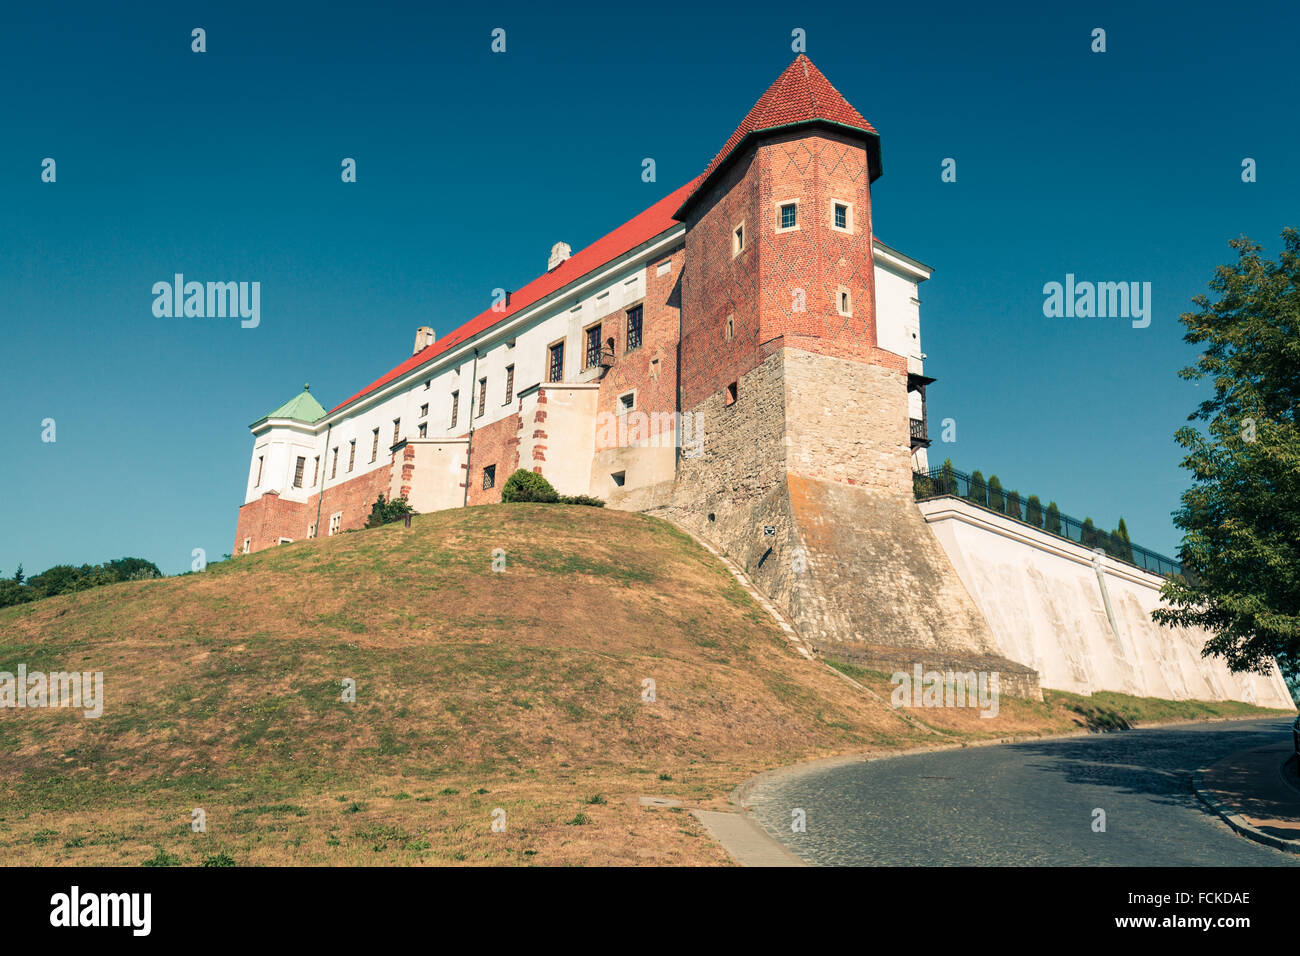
(260, 459)
(634, 316)
(455, 407)
(298, 469)
(285, 541)
(789, 215)
(844, 302)
(489, 476)
(626, 402)
(428, 382)
(731, 394)
(424, 429)
(482, 396)
(842, 216)
(510, 383)
(248, 543)
(619, 477)
(593, 347)
(738, 240)
(397, 429)
(334, 463)
(311, 530)
(731, 326)
(315, 472)
(374, 444)
(555, 368)
(424, 410)
(336, 520)
(352, 454)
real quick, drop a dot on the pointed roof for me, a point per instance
(800, 95)
(302, 408)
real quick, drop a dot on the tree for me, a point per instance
(978, 491)
(1052, 520)
(1088, 534)
(12, 592)
(1013, 508)
(995, 494)
(386, 512)
(1241, 516)
(1034, 511)
(19, 575)
(947, 478)
(1122, 547)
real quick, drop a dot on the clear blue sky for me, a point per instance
(1117, 166)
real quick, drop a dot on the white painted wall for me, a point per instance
(1044, 604)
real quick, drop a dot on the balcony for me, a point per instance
(920, 437)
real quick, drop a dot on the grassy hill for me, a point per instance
(475, 690)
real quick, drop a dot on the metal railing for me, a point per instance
(940, 481)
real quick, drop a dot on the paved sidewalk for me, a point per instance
(1257, 792)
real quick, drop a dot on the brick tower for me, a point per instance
(805, 476)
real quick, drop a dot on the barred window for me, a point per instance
(352, 454)
(555, 370)
(482, 395)
(593, 346)
(510, 383)
(489, 476)
(634, 328)
(455, 407)
(788, 213)
(298, 469)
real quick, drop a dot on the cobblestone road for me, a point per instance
(1025, 804)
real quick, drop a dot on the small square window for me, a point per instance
(841, 216)
(789, 215)
(626, 402)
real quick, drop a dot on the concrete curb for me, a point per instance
(1236, 821)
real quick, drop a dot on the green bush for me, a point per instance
(587, 500)
(525, 485)
(386, 512)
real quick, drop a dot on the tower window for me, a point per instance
(738, 240)
(731, 326)
(374, 445)
(634, 319)
(842, 216)
(788, 215)
(260, 459)
(455, 407)
(298, 469)
(731, 394)
(510, 383)
(397, 429)
(844, 302)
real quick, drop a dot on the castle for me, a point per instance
(742, 358)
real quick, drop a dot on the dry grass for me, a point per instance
(476, 690)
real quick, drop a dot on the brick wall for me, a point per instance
(267, 520)
(354, 497)
(495, 444)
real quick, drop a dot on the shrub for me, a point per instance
(386, 512)
(947, 478)
(978, 491)
(996, 501)
(525, 485)
(587, 500)
(1052, 521)
(1034, 511)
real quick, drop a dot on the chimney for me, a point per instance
(423, 338)
(559, 252)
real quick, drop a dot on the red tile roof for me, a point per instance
(801, 94)
(642, 228)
